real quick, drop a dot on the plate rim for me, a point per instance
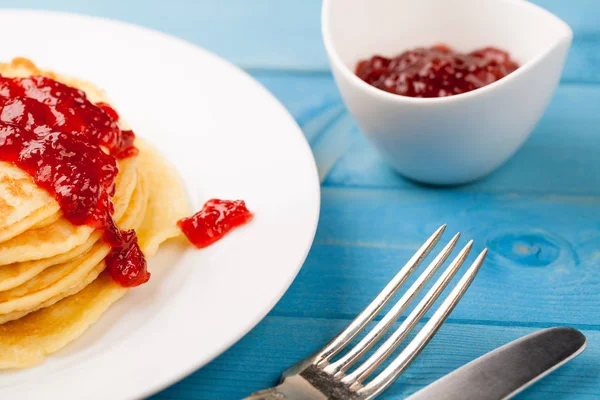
(152, 388)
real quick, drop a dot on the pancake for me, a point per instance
(13, 275)
(22, 203)
(76, 270)
(47, 221)
(88, 279)
(62, 236)
(52, 274)
(164, 210)
(93, 274)
(26, 341)
(19, 68)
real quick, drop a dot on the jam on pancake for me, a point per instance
(55, 134)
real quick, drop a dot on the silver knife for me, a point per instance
(504, 372)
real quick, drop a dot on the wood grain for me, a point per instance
(541, 268)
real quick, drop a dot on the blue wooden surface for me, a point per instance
(538, 214)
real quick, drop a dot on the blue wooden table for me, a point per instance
(539, 214)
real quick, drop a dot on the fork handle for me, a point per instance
(267, 394)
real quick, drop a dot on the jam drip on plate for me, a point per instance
(436, 72)
(216, 219)
(55, 134)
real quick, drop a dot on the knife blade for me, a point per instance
(507, 370)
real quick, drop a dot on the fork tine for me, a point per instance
(392, 315)
(358, 324)
(412, 350)
(383, 352)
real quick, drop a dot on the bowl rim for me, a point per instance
(336, 61)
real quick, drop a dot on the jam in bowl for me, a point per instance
(429, 117)
(436, 71)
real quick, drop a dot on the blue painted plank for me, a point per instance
(277, 34)
(560, 157)
(583, 16)
(257, 361)
(542, 266)
(253, 34)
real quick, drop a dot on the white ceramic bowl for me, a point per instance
(455, 139)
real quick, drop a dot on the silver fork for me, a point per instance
(317, 377)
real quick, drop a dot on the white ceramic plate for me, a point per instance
(229, 138)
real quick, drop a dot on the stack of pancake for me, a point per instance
(52, 285)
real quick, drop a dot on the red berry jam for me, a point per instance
(436, 72)
(126, 263)
(55, 134)
(216, 219)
